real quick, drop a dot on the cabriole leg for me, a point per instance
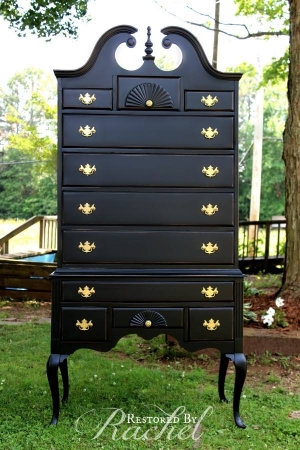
(224, 360)
(52, 369)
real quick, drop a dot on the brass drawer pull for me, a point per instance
(87, 247)
(86, 99)
(209, 101)
(210, 171)
(87, 169)
(86, 292)
(87, 208)
(209, 210)
(210, 292)
(211, 325)
(84, 325)
(148, 323)
(87, 131)
(210, 248)
(209, 133)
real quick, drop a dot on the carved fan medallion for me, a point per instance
(148, 319)
(149, 95)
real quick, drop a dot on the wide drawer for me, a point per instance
(148, 131)
(142, 208)
(211, 323)
(87, 98)
(146, 291)
(107, 169)
(148, 317)
(209, 101)
(148, 247)
(84, 324)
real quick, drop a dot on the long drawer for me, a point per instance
(91, 130)
(143, 208)
(148, 247)
(152, 170)
(85, 290)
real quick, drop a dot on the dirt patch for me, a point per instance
(25, 311)
(261, 302)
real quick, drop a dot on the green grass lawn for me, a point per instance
(133, 379)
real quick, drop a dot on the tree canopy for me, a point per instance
(44, 18)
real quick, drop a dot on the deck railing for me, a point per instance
(261, 243)
(47, 233)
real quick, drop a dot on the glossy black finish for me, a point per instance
(147, 197)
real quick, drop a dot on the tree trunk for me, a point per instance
(291, 156)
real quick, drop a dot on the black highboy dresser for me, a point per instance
(148, 224)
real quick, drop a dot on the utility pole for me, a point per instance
(256, 162)
(216, 34)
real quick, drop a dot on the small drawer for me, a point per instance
(84, 324)
(133, 170)
(148, 317)
(209, 101)
(87, 98)
(211, 324)
(145, 93)
(146, 291)
(143, 208)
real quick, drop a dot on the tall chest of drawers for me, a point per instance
(147, 195)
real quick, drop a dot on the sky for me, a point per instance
(65, 53)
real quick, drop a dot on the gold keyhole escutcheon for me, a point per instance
(209, 248)
(209, 101)
(209, 210)
(210, 172)
(211, 325)
(84, 325)
(86, 247)
(87, 169)
(209, 133)
(86, 292)
(87, 131)
(87, 208)
(210, 292)
(87, 99)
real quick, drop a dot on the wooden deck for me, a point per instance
(25, 279)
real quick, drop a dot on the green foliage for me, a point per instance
(273, 170)
(24, 190)
(248, 315)
(277, 71)
(28, 132)
(267, 10)
(44, 18)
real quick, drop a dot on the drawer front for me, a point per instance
(87, 98)
(106, 169)
(209, 101)
(211, 323)
(132, 208)
(135, 93)
(149, 247)
(148, 318)
(148, 131)
(134, 291)
(84, 324)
